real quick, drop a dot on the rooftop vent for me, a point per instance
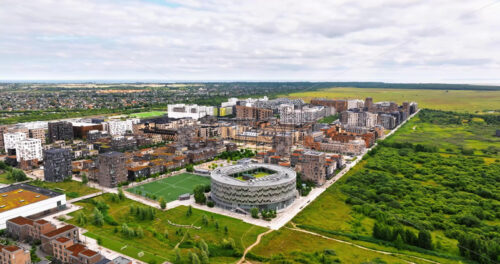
(2, 206)
(21, 201)
(4, 195)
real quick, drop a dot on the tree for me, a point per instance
(139, 232)
(178, 258)
(121, 195)
(98, 219)
(204, 258)
(225, 230)
(17, 175)
(399, 243)
(255, 212)
(85, 180)
(81, 219)
(216, 225)
(189, 168)
(162, 202)
(189, 211)
(204, 220)
(199, 194)
(424, 239)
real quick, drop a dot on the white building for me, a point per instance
(11, 139)
(25, 200)
(189, 111)
(120, 127)
(29, 149)
(230, 102)
(355, 103)
(307, 114)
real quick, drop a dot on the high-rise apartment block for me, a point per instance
(12, 139)
(112, 170)
(29, 149)
(60, 130)
(57, 164)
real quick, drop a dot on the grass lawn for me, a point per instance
(72, 189)
(328, 119)
(170, 188)
(299, 247)
(155, 246)
(148, 114)
(452, 100)
(3, 178)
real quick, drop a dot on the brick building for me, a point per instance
(112, 170)
(339, 105)
(14, 255)
(253, 113)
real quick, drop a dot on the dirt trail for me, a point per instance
(259, 237)
(361, 247)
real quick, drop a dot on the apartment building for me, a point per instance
(120, 127)
(68, 231)
(112, 170)
(253, 113)
(192, 111)
(67, 251)
(29, 149)
(37, 133)
(11, 140)
(57, 164)
(11, 254)
(60, 130)
(307, 114)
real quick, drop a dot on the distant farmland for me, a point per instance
(148, 114)
(450, 100)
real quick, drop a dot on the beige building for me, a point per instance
(14, 255)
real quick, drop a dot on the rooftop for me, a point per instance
(59, 231)
(17, 198)
(274, 174)
(21, 221)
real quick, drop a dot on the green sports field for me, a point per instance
(148, 114)
(170, 188)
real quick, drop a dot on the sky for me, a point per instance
(445, 41)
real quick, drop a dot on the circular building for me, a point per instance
(245, 186)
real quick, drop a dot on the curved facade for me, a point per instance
(245, 186)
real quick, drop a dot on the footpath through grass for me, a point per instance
(160, 238)
(170, 188)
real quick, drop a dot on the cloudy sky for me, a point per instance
(316, 40)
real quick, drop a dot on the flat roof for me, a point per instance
(19, 197)
(59, 231)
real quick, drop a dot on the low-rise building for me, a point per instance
(14, 255)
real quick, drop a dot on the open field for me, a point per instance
(148, 114)
(158, 247)
(451, 137)
(452, 100)
(298, 247)
(170, 188)
(72, 189)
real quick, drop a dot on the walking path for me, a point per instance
(362, 247)
(259, 237)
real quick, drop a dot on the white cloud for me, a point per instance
(391, 40)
